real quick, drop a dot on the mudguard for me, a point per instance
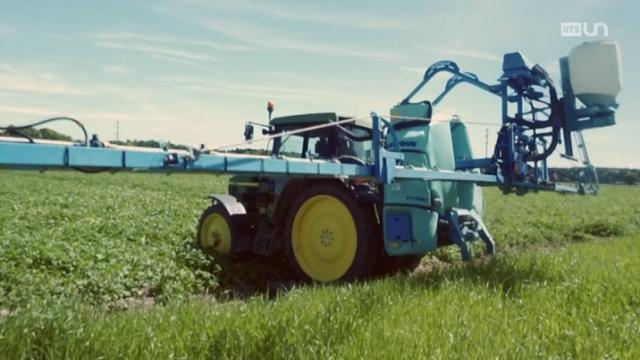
(233, 206)
(243, 235)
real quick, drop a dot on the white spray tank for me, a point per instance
(596, 73)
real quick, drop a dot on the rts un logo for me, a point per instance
(579, 29)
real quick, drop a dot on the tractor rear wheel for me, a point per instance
(329, 235)
(215, 232)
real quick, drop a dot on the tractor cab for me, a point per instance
(266, 199)
(347, 143)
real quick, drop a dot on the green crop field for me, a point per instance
(103, 266)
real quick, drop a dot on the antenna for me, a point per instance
(486, 142)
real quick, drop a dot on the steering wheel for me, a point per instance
(348, 159)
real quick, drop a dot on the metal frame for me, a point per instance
(459, 233)
(517, 161)
(515, 164)
(40, 156)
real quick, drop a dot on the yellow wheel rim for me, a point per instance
(215, 234)
(324, 238)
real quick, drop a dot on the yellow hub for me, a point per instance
(216, 234)
(324, 238)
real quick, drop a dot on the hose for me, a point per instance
(17, 130)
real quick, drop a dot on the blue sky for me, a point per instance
(193, 71)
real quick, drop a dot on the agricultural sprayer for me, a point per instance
(345, 197)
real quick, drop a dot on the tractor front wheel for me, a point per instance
(215, 232)
(329, 235)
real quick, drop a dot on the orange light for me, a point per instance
(270, 105)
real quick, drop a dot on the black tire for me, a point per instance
(365, 227)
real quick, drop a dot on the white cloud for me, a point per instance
(21, 82)
(318, 15)
(26, 110)
(260, 91)
(167, 48)
(296, 88)
(16, 79)
(145, 38)
(116, 69)
(55, 111)
(467, 53)
(89, 117)
(414, 69)
(178, 60)
(294, 79)
(263, 38)
(158, 50)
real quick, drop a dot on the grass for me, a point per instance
(71, 245)
(582, 301)
(101, 237)
(551, 217)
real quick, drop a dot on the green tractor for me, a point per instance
(342, 227)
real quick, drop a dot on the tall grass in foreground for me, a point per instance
(581, 301)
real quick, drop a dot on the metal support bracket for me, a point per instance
(457, 235)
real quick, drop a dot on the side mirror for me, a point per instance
(248, 132)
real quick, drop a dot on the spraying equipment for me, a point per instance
(344, 198)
